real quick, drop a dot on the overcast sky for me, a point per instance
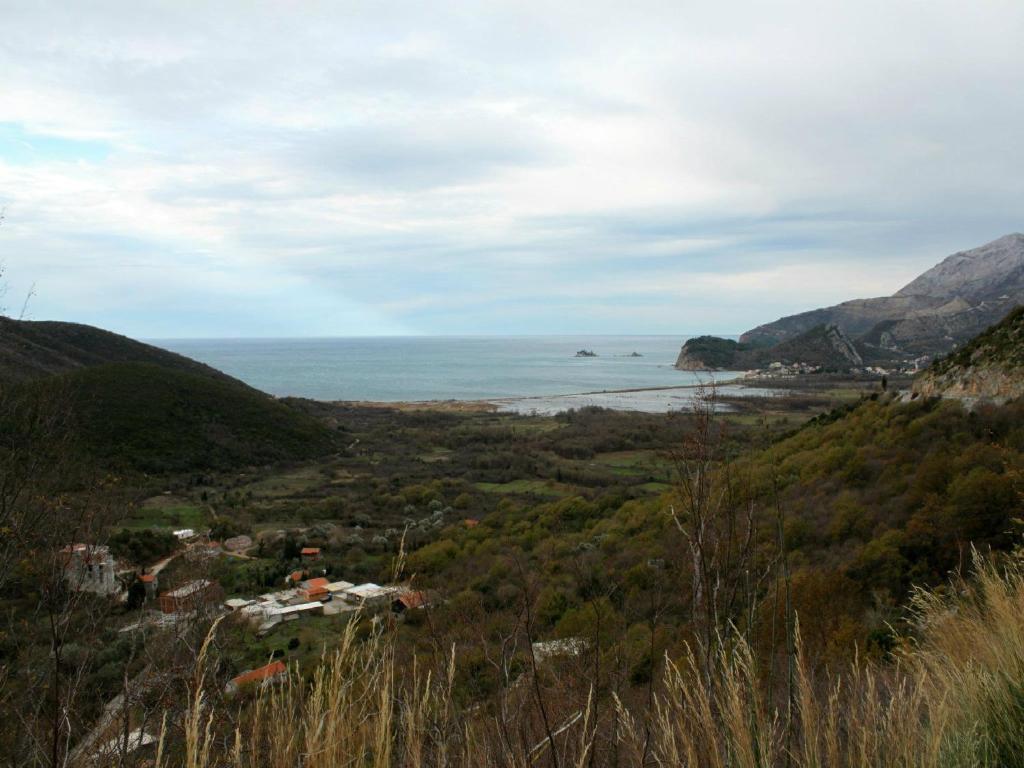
(347, 168)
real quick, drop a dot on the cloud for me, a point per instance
(324, 168)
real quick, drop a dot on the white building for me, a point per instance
(337, 588)
(369, 595)
(90, 568)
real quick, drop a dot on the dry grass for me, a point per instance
(953, 698)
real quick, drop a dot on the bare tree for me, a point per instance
(717, 523)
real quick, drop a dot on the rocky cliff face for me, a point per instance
(688, 361)
(990, 367)
(946, 306)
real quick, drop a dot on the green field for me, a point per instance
(161, 512)
(636, 463)
(535, 487)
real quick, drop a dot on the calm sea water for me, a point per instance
(448, 368)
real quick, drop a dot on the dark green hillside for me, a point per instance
(31, 350)
(146, 417)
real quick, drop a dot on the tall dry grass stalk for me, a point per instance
(952, 698)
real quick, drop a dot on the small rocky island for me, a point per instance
(634, 353)
(586, 353)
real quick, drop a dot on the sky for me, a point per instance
(230, 169)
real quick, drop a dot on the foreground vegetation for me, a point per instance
(773, 585)
(950, 696)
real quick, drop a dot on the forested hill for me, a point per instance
(135, 407)
(140, 416)
(34, 349)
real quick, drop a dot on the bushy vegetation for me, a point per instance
(953, 701)
(143, 546)
(145, 417)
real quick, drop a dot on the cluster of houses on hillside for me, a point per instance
(320, 596)
(91, 567)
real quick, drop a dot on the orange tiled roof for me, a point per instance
(413, 599)
(260, 673)
(310, 550)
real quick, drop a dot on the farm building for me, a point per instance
(369, 595)
(408, 601)
(90, 568)
(190, 597)
(274, 672)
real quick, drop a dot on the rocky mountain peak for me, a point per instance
(984, 273)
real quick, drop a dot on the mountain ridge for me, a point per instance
(953, 301)
(942, 308)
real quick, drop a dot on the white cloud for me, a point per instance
(400, 161)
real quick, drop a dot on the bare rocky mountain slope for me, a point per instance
(990, 367)
(931, 316)
(947, 305)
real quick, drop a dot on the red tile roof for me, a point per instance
(310, 550)
(413, 599)
(147, 578)
(296, 576)
(317, 582)
(260, 673)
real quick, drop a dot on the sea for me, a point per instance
(526, 374)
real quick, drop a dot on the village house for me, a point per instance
(316, 589)
(337, 588)
(275, 672)
(310, 553)
(190, 597)
(369, 595)
(237, 604)
(409, 601)
(90, 568)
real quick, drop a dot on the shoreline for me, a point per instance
(632, 398)
(498, 404)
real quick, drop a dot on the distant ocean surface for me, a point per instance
(540, 371)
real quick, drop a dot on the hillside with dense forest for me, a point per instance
(132, 406)
(146, 417)
(37, 349)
